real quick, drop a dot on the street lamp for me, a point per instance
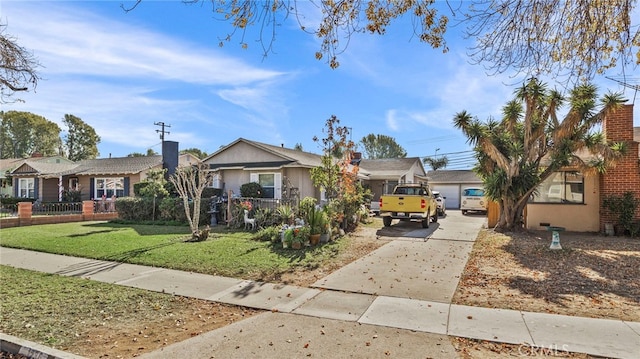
(436, 155)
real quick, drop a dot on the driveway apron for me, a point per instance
(426, 267)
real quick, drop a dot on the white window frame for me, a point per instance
(28, 186)
(216, 180)
(277, 182)
(111, 187)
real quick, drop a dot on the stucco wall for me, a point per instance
(574, 217)
(243, 153)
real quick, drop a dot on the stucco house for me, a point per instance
(382, 175)
(574, 200)
(282, 172)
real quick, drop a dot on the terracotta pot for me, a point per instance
(314, 239)
(296, 245)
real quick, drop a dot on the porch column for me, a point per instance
(60, 189)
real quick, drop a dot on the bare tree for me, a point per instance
(17, 68)
(577, 39)
(190, 182)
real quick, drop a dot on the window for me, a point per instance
(74, 185)
(268, 183)
(109, 186)
(26, 188)
(473, 192)
(561, 187)
(216, 180)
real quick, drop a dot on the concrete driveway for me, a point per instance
(420, 263)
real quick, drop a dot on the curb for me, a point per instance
(15, 345)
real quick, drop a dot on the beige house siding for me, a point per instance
(243, 153)
(573, 217)
(301, 178)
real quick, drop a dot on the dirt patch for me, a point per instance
(592, 276)
(135, 336)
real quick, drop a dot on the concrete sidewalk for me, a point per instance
(608, 338)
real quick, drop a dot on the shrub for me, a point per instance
(251, 189)
(271, 233)
(136, 209)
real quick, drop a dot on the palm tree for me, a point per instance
(530, 143)
(436, 163)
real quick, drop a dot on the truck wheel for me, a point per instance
(464, 211)
(386, 220)
(435, 217)
(425, 223)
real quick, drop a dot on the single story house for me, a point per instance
(574, 200)
(47, 180)
(382, 175)
(451, 184)
(283, 172)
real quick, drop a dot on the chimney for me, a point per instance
(169, 157)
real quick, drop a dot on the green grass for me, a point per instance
(56, 311)
(225, 253)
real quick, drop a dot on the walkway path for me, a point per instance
(395, 302)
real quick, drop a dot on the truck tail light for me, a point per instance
(380, 200)
(423, 203)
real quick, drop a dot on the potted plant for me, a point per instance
(624, 208)
(325, 228)
(300, 236)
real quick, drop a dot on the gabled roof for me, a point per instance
(290, 157)
(118, 165)
(37, 167)
(453, 176)
(390, 167)
(94, 167)
(8, 164)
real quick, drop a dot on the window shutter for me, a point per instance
(36, 187)
(126, 186)
(277, 191)
(253, 177)
(16, 183)
(92, 188)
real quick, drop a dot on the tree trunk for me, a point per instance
(510, 215)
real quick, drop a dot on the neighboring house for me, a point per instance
(282, 172)
(451, 183)
(382, 175)
(6, 166)
(574, 200)
(93, 178)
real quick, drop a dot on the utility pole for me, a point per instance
(162, 131)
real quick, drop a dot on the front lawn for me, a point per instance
(225, 253)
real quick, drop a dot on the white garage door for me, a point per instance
(452, 192)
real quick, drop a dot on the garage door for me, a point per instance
(452, 192)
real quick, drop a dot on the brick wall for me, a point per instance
(625, 176)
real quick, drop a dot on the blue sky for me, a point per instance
(122, 72)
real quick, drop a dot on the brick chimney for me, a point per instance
(625, 176)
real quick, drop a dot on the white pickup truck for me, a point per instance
(409, 202)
